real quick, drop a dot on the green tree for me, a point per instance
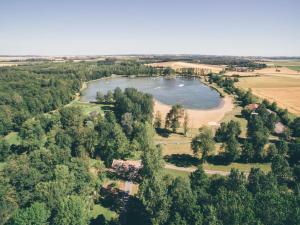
(281, 169)
(173, 117)
(71, 210)
(232, 150)
(109, 97)
(154, 196)
(100, 97)
(295, 126)
(113, 143)
(186, 123)
(32, 135)
(157, 120)
(36, 214)
(203, 143)
(4, 150)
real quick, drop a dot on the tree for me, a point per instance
(232, 150)
(113, 143)
(154, 196)
(100, 97)
(203, 142)
(227, 131)
(248, 152)
(71, 117)
(295, 126)
(173, 117)
(157, 120)
(32, 134)
(109, 97)
(186, 123)
(36, 214)
(281, 169)
(71, 210)
(4, 150)
(127, 123)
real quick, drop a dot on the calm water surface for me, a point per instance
(191, 93)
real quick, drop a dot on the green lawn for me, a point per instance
(13, 138)
(87, 108)
(245, 167)
(297, 68)
(100, 210)
(176, 173)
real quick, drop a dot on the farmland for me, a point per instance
(283, 89)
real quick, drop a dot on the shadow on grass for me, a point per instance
(182, 160)
(107, 107)
(113, 198)
(220, 159)
(163, 132)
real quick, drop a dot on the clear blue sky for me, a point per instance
(223, 27)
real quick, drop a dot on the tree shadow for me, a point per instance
(107, 107)
(182, 160)
(100, 220)
(163, 132)
(219, 159)
(113, 198)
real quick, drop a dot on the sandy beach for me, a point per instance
(199, 118)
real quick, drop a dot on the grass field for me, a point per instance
(100, 210)
(176, 173)
(297, 68)
(87, 108)
(245, 167)
(13, 138)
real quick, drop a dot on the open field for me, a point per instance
(285, 90)
(177, 65)
(288, 62)
(296, 68)
(267, 71)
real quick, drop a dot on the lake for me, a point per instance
(190, 92)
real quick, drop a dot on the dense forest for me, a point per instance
(55, 175)
(28, 90)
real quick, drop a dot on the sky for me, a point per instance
(102, 27)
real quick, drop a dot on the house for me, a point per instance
(279, 128)
(252, 106)
(126, 165)
(128, 169)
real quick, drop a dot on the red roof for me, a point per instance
(253, 106)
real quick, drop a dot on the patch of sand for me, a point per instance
(199, 118)
(177, 65)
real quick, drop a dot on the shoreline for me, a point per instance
(197, 117)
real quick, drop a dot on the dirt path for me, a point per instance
(192, 169)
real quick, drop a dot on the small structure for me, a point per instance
(252, 106)
(279, 128)
(127, 168)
